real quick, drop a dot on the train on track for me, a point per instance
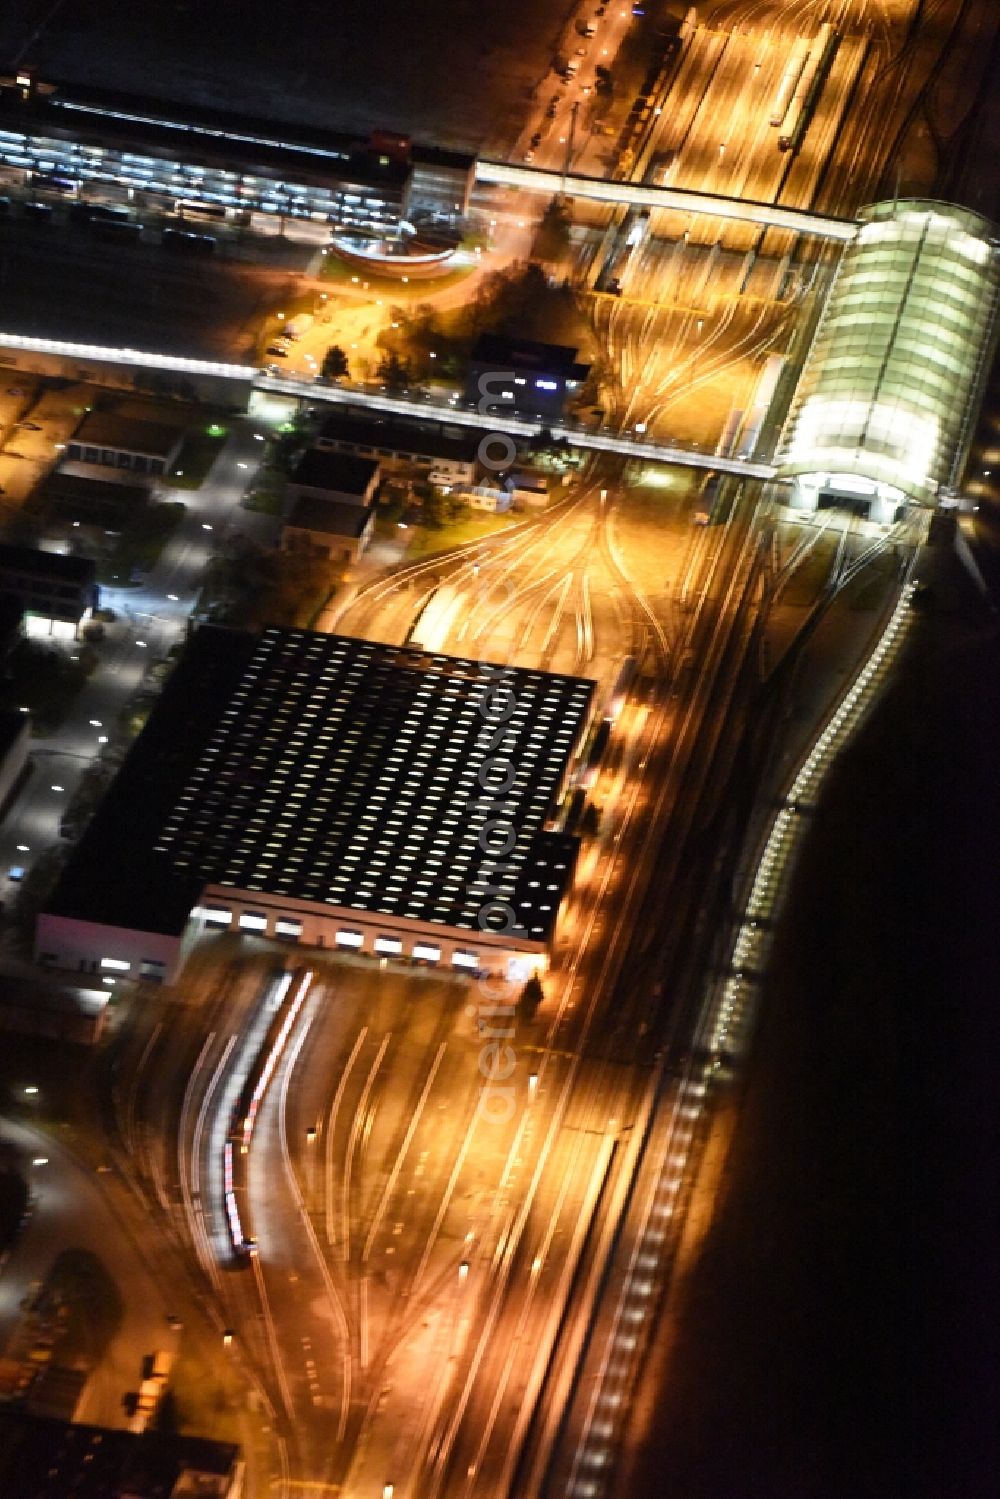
(288, 991)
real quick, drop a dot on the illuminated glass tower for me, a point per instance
(891, 386)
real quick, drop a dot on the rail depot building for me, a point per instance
(88, 142)
(334, 792)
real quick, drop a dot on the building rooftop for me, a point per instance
(341, 473)
(138, 887)
(11, 619)
(109, 429)
(345, 772)
(86, 498)
(291, 152)
(527, 354)
(332, 517)
(441, 156)
(12, 726)
(335, 771)
(429, 439)
(45, 1458)
(42, 564)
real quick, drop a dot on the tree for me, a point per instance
(394, 372)
(553, 232)
(590, 822)
(436, 509)
(531, 997)
(335, 366)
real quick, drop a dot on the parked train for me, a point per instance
(291, 989)
(807, 90)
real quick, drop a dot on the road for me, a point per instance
(71, 1212)
(149, 619)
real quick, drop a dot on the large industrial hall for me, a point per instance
(335, 792)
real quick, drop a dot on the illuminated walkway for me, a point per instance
(626, 444)
(683, 200)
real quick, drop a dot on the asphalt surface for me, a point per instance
(149, 620)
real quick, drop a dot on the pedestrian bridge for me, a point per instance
(626, 444)
(681, 200)
(414, 404)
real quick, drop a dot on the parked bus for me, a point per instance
(190, 208)
(122, 229)
(183, 242)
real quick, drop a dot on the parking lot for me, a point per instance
(58, 280)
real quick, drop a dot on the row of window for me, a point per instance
(340, 199)
(115, 458)
(348, 939)
(366, 451)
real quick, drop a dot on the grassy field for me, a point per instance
(428, 541)
(198, 452)
(267, 499)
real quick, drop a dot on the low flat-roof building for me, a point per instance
(333, 476)
(126, 442)
(523, 376)
(42, 1457)
(334, 792)
(103, 503)
(230, 164)
(527, 490)
(338, 529)
(11, 625)
(56, 591)
(446, 449)
(15, 741)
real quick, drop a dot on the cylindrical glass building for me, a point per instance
(891, 387)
